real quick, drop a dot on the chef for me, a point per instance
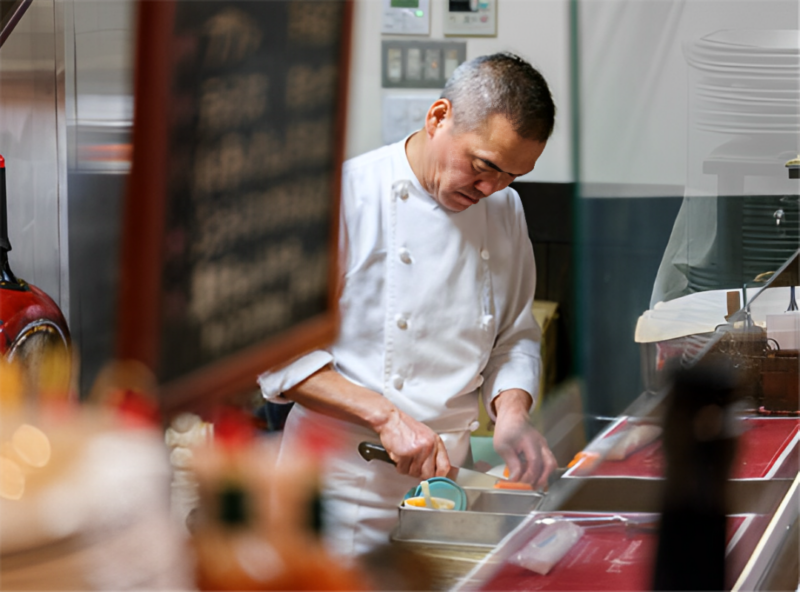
(435, 308)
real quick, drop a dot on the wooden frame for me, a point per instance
(145, 211)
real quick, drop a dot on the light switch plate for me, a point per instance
(420, 64)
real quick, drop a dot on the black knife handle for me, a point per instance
(370, 451)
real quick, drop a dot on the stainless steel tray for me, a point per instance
(490, 516)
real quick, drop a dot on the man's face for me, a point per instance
(464, 167)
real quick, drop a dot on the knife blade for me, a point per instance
(464, 477)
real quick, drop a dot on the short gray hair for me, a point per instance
(504, 84)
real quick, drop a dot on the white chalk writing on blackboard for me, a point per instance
(236, 325)
(230, 101)
(238, 158)
(313, 23)
(310, 280)
(307, 86)
(221, 284)
(246, 324)
(232, 36)
(220, 226)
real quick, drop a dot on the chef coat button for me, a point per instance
(485, 255)
(401, 188)
(479, 381)
(405, 256)
(474, 426)
(397, 381)
(402, 323)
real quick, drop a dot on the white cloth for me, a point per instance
(435, 304)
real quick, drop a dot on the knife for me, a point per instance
(464, 477)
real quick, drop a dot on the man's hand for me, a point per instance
(524, 449)
(416, 449)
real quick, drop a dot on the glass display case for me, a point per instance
(687, 118)
(685, 115)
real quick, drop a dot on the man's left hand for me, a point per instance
(521, 446)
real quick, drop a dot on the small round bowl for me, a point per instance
(442, 487)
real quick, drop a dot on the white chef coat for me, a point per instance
(435, 305)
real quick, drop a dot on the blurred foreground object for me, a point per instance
(699, 444)
(130, 388)
(258, 526)
(31, 324)
(186, 433)
(84, 503)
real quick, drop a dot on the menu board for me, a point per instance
(238, 170)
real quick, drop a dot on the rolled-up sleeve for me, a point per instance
(276, 382)
(515, 361)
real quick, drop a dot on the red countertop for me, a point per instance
(767, 448)
(620, 558)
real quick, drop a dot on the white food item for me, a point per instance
(434, 503)
(633, 439)
(181, 458)
(185, 422)
(548, 547)
(187, 431)
(426, 492)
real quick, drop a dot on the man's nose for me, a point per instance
(488, 185)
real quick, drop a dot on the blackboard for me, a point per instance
(229, 254)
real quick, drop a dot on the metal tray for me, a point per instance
(490, 516)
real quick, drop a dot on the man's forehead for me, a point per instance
(507, 153)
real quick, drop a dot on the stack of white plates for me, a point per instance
(748, 82)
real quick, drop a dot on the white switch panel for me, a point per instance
(470, 17)
(403, 114)
(420, 63)
(406, 17)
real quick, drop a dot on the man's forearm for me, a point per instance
(328, 392)
(511, 401)
(415, 448)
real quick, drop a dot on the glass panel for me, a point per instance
(687, 119)
(686, 116)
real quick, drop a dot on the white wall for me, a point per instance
(638, 90)
(537, 30)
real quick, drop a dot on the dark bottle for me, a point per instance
(699, 445)
(6, 275)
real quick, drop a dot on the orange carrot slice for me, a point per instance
(513, 485)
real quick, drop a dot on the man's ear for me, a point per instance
(438, 113)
